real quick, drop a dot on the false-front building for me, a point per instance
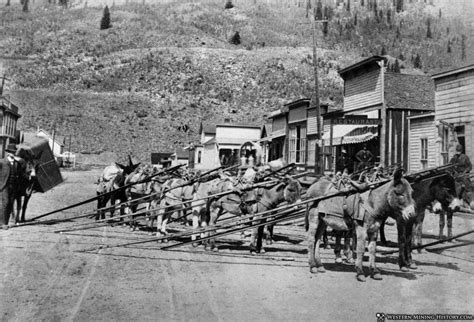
(9, 117)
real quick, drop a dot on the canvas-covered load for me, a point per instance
(47, 171)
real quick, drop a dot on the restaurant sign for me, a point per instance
(357, 121)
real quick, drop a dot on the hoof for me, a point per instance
(377, 276)
(404, 269)
(195, 244)
(321, 269)
(412, 266)
(327, 246)
(313, 269)
(262, 250)
(338, 260)
(361, 277)
(215, 249)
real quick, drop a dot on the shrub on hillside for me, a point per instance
(105, 22)
(235, 39)
(229, 5)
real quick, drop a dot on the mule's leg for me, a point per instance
(260, 239)
(418, 229)
(312, 241)
(269, 233)
(348, 251)
(16, 216)
(449, 219)
(159, 223)
(26, 198)
(254, 236)
(196, 213)
(441, 224)
(402, 244)
(361, 236)
(383, 240)
(408, 246)
(337, 247)
(214, 214)
(374, 272)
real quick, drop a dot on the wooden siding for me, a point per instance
(454, 101)
(454, 98)
(363, 91)
(279, 123)
(419, 129)
(297, 114)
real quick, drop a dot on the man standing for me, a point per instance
(8, 176)
(364, 157)
(344, 162)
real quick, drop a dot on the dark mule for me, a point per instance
(137, 190)
(268, 198)
(27, 181)
(110, 183)
(425, 192)
(365, 212)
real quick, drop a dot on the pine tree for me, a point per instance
(399, 5)
(449, 46)
(383, 51)
(463, 47)
(396, 67)
(401, 57)
(319, 11)
(362, 3)
(235, 39)
(8, 3)
(440, 13)
(228, 4)
(25, 5)
(325, 28)
(417, 62)
(348, 7)
(428, 31)
(105, 22)
(389, 16)
(355, 19)
(397, 35)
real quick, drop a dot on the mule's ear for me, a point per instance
(130, 162)
(120, 165)
(398, 175)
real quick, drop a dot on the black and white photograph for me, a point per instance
(236, 160)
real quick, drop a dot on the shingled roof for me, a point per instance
(409, 92)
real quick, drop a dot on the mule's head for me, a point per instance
(29, 162)
(292, 191)
(443, 189)
(400, 197)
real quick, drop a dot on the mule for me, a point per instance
(207, 207)
(425, 192)
(269, 198)
(110, 186)
(137, 190)
(176, 196)
(365, 212)
(27, 182)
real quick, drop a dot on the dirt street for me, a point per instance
(43, 277)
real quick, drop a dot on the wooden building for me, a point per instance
(454, 114)
(422, 142)
(9, 118)
(375, 112)
(294, 134)
(222, 144)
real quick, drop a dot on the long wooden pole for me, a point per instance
(104, 194)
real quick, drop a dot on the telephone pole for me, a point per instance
(319, 167)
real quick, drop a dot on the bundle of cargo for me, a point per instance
(47, 170)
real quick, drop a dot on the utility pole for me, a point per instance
(319, 167)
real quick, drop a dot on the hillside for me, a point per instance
(130, 88)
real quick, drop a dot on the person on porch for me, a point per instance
(364, 157)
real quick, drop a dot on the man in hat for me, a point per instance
(8, 176)
(364, 157)
(461, 162)
(344, 162)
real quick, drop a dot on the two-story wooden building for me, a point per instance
(294, 134)
(375, 112)
(8, 120)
